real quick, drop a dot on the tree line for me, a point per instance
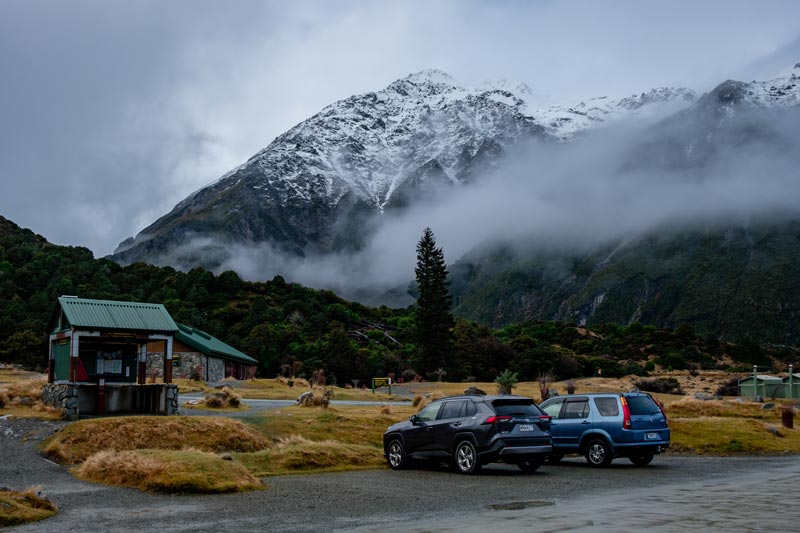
(291, 329)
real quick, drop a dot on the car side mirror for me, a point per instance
(414, 419)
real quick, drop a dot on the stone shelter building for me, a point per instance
(197, 354)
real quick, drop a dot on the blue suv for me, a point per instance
(605, 426)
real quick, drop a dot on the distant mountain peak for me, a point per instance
(431, 75)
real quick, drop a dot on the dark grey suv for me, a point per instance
(470, 431)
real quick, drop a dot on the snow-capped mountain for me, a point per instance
(732, 115)
(316, 187)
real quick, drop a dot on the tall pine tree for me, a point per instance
(433, 318)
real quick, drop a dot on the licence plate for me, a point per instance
(526, 427)
(652, 436)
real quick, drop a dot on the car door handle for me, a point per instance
(457, 424)
(585, 422)
(429, 428)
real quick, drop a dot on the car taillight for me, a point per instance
(663, 412)
(495, 419)
(626, 413)
(545, 419)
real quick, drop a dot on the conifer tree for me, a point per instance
(434, 321)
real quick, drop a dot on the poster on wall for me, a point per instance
(109, 363)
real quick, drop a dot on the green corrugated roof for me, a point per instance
(109, 314)
(210, 345)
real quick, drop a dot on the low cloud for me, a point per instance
(569, 197)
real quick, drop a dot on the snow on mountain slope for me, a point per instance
(316, 183)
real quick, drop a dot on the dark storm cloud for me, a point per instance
(112, 111)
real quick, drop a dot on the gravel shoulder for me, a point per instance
(420, 499)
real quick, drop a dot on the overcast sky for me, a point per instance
(113, 111)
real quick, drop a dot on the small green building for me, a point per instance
(98, 357)
(763, 385)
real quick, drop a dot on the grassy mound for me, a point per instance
(690, 408)
(185, 471)
(347, 424)
(22, 507)
(298, 454)
(731, 436)
(78, 441)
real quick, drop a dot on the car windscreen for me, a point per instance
(518, 408)
(642, 405)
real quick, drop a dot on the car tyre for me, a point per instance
(396, 455)
(598, 453)
(531, 465)
(555, 458)
(642, 459)
(466, 458)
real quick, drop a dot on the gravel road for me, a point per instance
(557, 498)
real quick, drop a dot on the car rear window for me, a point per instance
(521, 408)
(607, 406)
(642, 405)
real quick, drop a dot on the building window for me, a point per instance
(176, 360)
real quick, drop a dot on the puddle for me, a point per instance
(516, 506)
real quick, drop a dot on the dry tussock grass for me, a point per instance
(692, 408)
(29, 388)
(76, 442)
(24, 398)
(296, 382)
(730, 436)
(386, 409)
(184, 471)
(225, 398)
(296, 454)
(428, 398)
(21, 507)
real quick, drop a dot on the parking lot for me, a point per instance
(674, 493)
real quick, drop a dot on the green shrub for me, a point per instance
(662, 385)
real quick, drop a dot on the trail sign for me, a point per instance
(381, 382)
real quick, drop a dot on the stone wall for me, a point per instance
(120, 399)
(171, 403)
(216, 369)
(189, 360)
(63, 396)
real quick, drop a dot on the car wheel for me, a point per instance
(598, 453)
(396, 455)
(555, 458)
(529, 466)
(642, 460)
(466, 458)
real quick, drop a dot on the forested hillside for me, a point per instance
(293, 329)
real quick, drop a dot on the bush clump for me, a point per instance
(21, 507)
(662, 385)
(729, 388)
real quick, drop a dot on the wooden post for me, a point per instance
(51, 367)
(74, 343)
(141, 371)
(168, 361)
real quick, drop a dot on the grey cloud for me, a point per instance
(114, 111)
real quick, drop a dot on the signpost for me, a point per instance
(380, 382)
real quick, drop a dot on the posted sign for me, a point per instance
(381, 382)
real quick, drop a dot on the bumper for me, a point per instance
(526, 450)
(626, 449)
(502, 451)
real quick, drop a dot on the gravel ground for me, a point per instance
(421, 499)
